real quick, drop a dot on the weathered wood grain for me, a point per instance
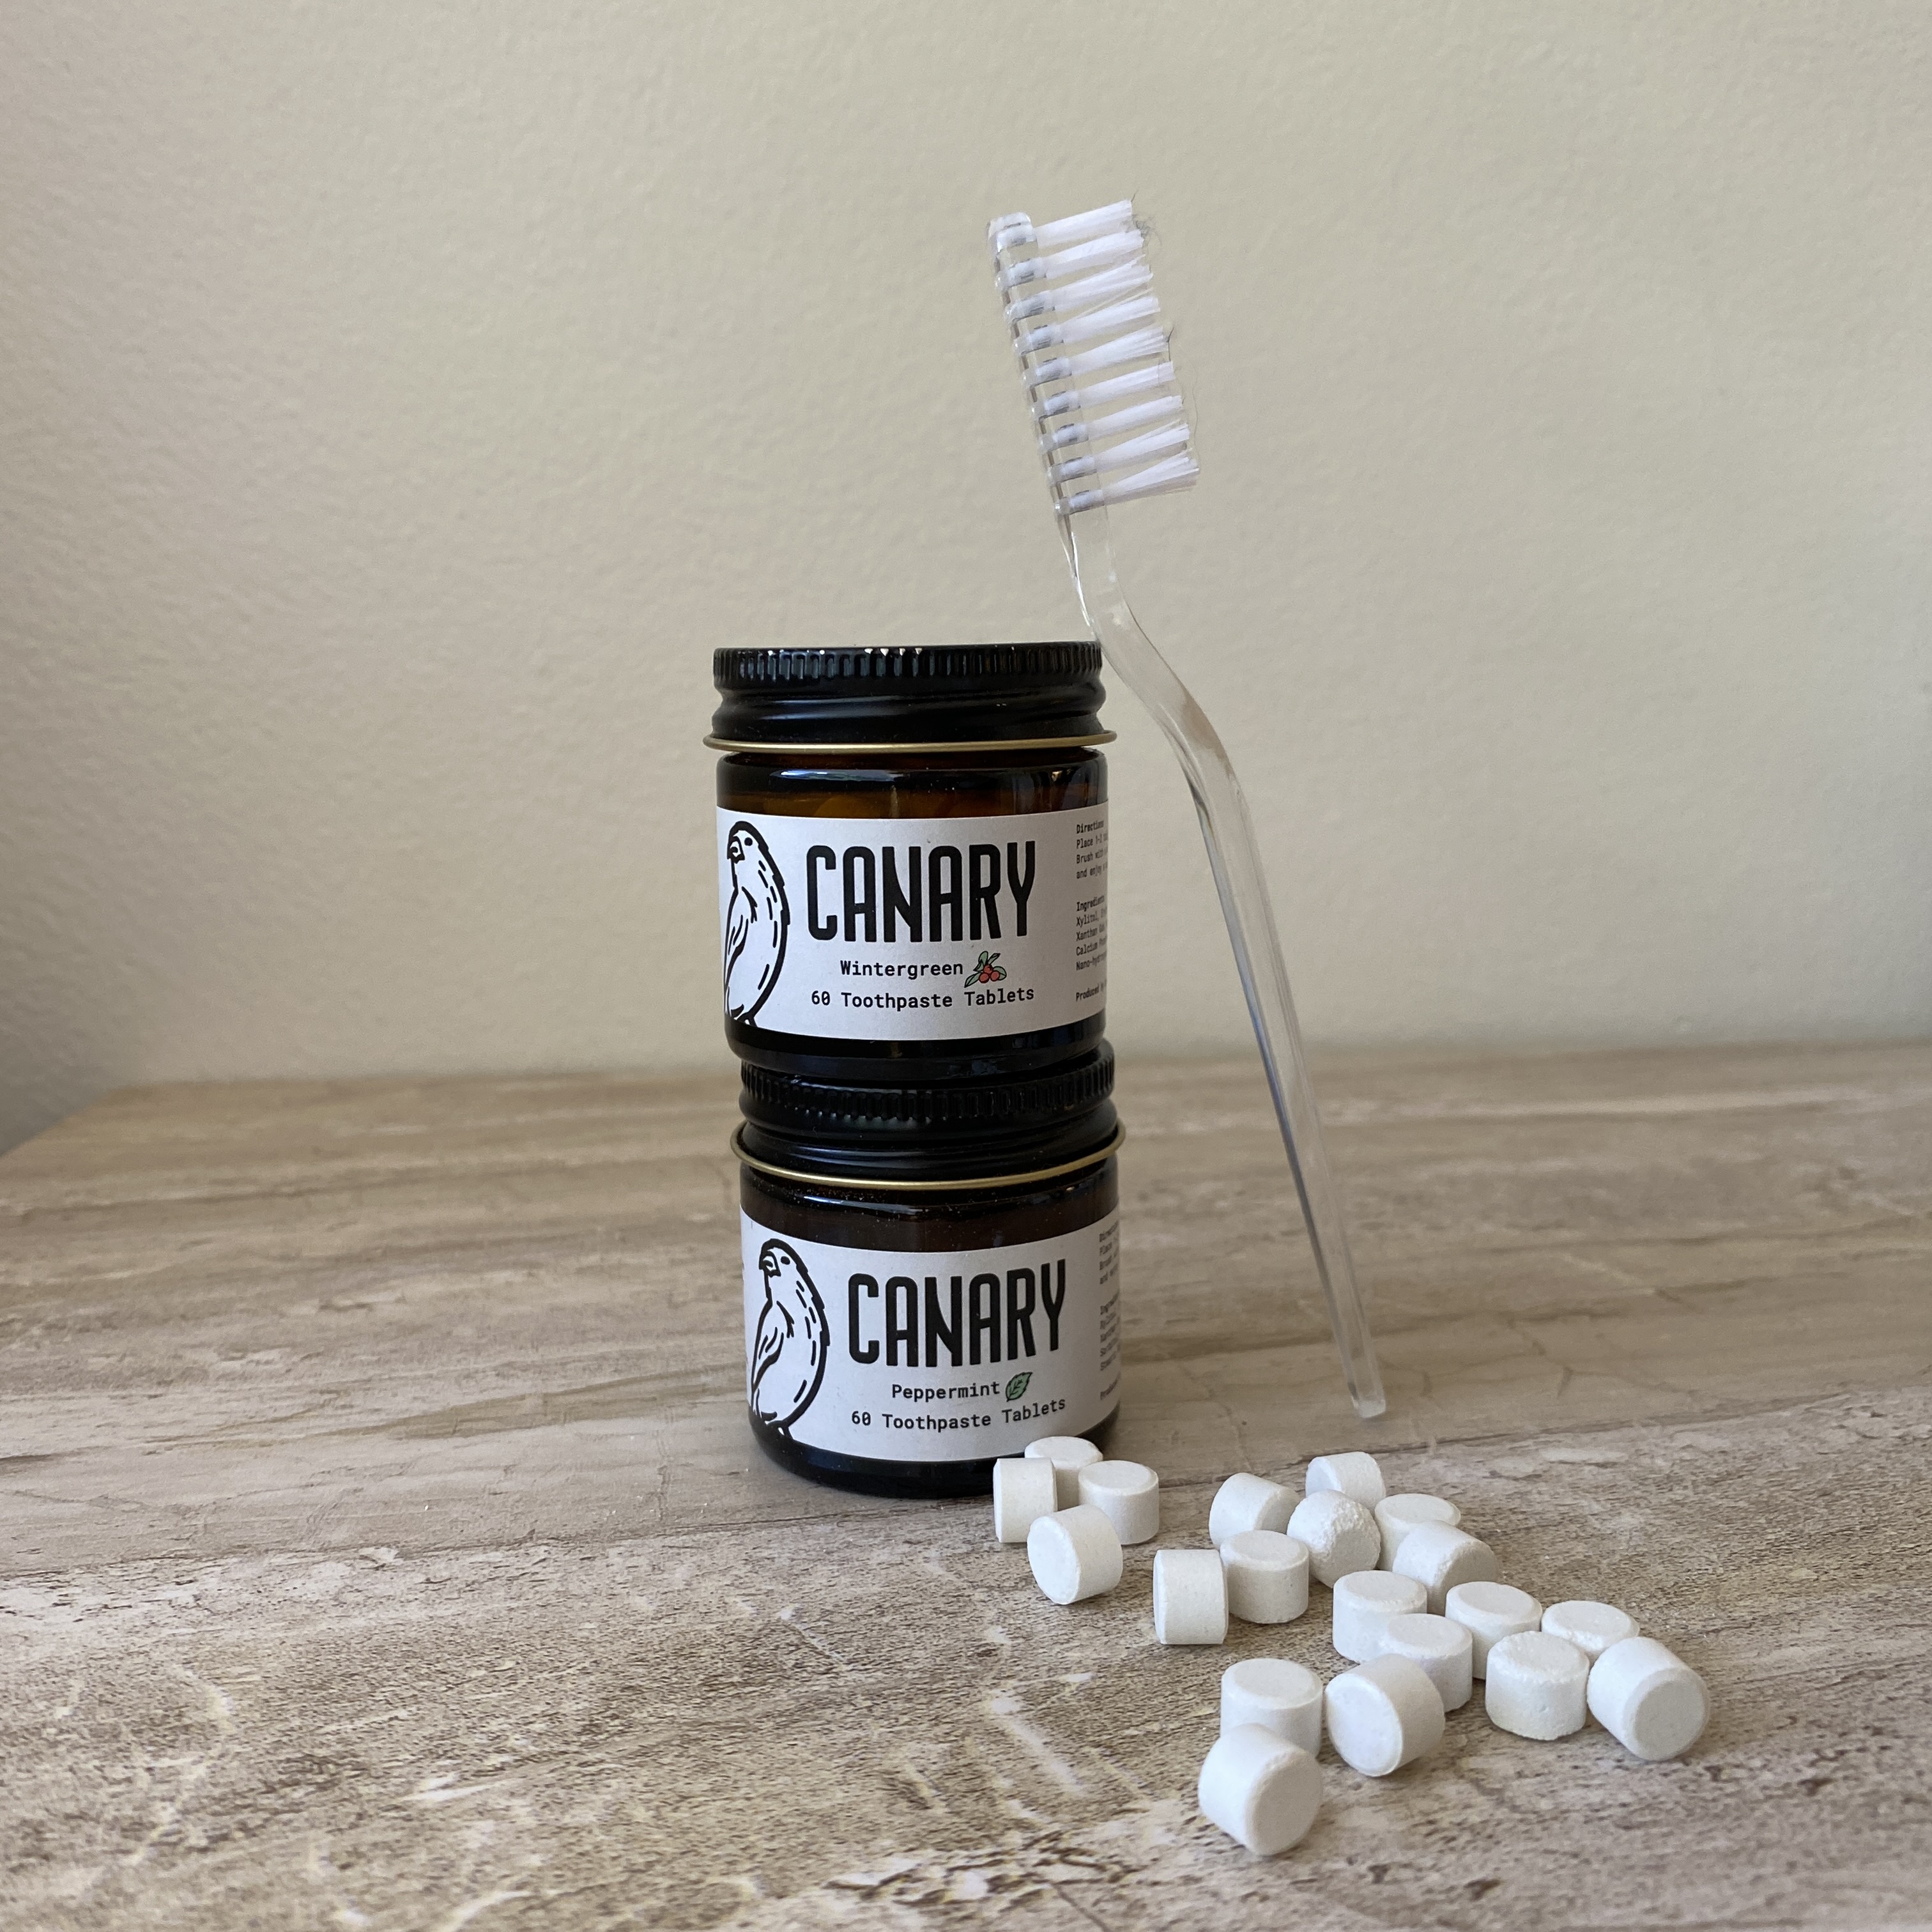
(384, 1545)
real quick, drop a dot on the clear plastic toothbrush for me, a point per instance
(1079, 296)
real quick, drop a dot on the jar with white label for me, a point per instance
(932, 1274)
(912, 859)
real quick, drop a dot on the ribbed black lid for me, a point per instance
(908, 695)
(966, 1130)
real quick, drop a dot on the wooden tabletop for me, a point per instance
(384, 1547)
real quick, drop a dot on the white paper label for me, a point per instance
(913, 1358)
(914, 928)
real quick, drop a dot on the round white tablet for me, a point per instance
(1247, 1502)
(1491, 1611)
(1280, 1696)
(1128, 1493)
(1268, 1577)
(1439, 1557)
(1075, 1554)
(1354, 1472)
(1442, 1648)
(1592, 1628)
(1069, 1455)
(1397, 1516)
(1536, 1685)
(1262, 1790)
(1365, 1600)
(1652, 1701)
(1023, 1490)
(1340, 1533)
(1382, 1715)
(1190, 1596)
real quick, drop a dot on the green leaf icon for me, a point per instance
(1017, 1387)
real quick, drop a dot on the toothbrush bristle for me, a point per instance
(1079, 299)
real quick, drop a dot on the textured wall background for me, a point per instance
(400, 403)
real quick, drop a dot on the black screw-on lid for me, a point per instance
(910, 695)
(973, 1130)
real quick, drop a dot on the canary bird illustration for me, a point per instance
(788, 1350)
(756, 921)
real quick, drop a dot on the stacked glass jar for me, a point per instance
(912, 849)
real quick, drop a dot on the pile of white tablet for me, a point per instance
(1418, 1607)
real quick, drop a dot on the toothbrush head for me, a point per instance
(1079, 296)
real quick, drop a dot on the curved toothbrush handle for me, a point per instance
(1232, 852)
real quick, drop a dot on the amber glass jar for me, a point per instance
(912, 859)
(932, 1274)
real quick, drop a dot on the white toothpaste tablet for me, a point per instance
(1652, 1701)
(1075, 1554)
(1024, 1490)
(1365, 1600)
(1355, 1473)
(1128, 1494)
(1190, 1596)
(1279, 1696)
(1247, 1502)
(1592, 1628)
(1536, 1685)
(1442, 1648)
(1439, 1557)
(1262, 1790)
(1069, 1455)
(1340, 1533)
(1397, 1516)
(1491, 1611)
(1382, 1715)
(1268, 1577)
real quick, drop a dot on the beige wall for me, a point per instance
(400, 402)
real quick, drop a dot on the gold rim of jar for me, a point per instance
(943, 744)
(985, 1181)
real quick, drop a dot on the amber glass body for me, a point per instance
(883, 783)
(910, 1221)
